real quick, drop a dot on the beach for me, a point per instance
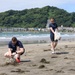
(38, 60)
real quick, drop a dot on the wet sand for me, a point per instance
(38, 60)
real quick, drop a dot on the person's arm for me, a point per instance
(20, 51)
(10, 54)
(21, 48)
(50, 27)
(9, 49)
(52, 30)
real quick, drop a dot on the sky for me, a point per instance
(5, 5)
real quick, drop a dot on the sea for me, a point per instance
(32, 37)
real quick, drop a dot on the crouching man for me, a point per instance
(15, 49)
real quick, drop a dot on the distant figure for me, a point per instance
(15, 49)
(48, 22)
(62, 27)
(53, 27)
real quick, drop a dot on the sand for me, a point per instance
(39, 60)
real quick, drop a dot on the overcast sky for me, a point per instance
(5, 5)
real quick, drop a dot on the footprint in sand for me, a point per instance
(59, 71)
(34, 65)
(71, 69)
(9, 63)
(41, 66)
(44, 61)
(49, 70)
(18, 71)
(3, 74)
(47, 50)
(54, 57)
(66, 58)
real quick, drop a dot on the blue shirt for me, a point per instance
(14, 47)
(54, 26)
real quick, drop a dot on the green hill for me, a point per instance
(36, 17)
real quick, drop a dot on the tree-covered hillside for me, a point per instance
(36, 17)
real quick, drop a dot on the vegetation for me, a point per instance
(36, 17)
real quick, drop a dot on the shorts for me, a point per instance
(52, 38)
(20, 54)
(23, 52)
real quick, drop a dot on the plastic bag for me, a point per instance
(57, 35)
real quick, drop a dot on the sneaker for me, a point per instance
(18, 60)
(52, 50)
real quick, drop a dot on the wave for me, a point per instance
(8, 36)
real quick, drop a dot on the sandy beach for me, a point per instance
(38, 60)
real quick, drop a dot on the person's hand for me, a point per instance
(10, 55)
(14, 53)
(54, 33)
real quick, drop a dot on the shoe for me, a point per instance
(53, 52)
(18, 60)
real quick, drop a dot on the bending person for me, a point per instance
(15, 49)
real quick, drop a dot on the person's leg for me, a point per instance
(52, 42)
(52, 47)
(17, 56)
(55, 44)
(20, 51)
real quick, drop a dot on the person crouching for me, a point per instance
(15, 49)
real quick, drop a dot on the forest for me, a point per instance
(36, 17)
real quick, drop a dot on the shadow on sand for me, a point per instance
(59, 53)
(25, 60)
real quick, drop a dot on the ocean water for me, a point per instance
(5, 36)
(31, 36)
(22, 35)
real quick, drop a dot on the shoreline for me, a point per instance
(39, 41)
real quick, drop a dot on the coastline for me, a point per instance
(37, 40)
